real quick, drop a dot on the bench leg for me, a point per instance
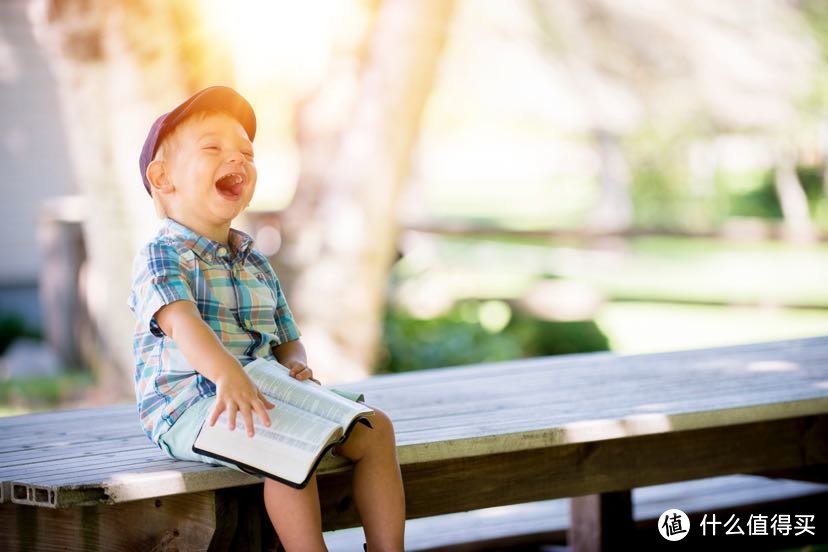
(601, 521)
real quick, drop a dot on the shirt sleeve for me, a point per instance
(288, 331)
(159, 278)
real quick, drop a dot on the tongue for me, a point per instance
(230, 186)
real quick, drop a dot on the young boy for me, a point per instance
(207, 303)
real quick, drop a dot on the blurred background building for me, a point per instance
(33, 157)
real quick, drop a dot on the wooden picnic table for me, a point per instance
(590, 426)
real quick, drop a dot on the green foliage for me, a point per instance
(811, 180)
(457, 338)
(762, 201)
(43, 392)
(13, 327)
(815, 13)
(657, 195)
(759, 200)
(662, 189)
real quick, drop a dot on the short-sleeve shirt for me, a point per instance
(237, 293)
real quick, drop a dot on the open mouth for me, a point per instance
(230, 186)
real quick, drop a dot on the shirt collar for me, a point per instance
(207, 249)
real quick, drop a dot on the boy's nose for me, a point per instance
(235, 156)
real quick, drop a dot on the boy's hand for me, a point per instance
(237, 394)
(299, 369)
(291, 354)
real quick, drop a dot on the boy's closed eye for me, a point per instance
(212, 148)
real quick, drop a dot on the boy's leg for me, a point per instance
(378, 488)
(295, 514)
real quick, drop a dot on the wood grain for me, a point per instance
(185, 522)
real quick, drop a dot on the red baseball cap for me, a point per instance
(220, 98)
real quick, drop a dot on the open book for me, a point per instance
(308, 420)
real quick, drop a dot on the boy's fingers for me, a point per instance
(217, 410)
(301, 372)
(231, 416)
(259, 407)
(247, 415)
(266, 403)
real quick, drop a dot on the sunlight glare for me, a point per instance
(274, 37)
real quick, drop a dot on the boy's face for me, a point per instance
(208, 173)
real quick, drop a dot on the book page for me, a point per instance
(296, 428)
(275, 381)
(287, 449)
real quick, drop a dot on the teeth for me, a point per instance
(231, 179)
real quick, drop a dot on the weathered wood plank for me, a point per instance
(161, 478)
(184, 522)
(27, 457)
(800, 348)
(75, 415)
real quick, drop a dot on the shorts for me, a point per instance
(178, 441)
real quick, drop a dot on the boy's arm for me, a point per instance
(235, 391)
(292, 355)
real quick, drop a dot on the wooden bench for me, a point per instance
(522, 526)
(590, 426)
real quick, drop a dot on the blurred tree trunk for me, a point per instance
(823, 146)
(118, 66)
(563, 35)
(792, 198)
(340, 231)
(613, 209)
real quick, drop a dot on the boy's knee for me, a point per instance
(382, 424)
(380, 437)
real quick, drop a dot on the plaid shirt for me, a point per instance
(237, 294)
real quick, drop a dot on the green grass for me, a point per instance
(490, 202)
(652, 293)
(13, 411)
(652, 327)
(663, 269)
(711, 271)
(21, 395)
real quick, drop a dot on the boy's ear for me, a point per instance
(157, 177)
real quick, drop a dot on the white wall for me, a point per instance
(33, 157)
